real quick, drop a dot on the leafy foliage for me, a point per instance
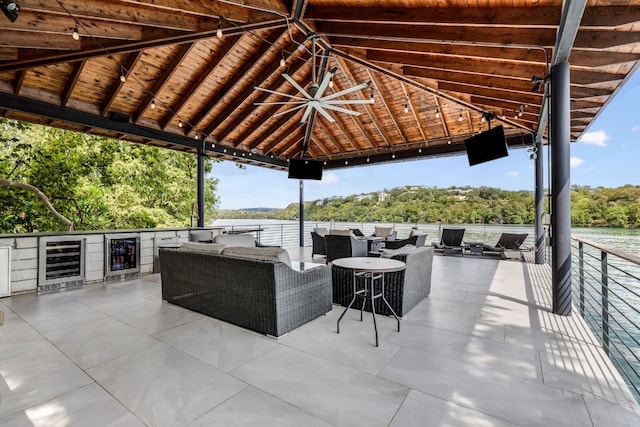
(97, 182)
(606, 207)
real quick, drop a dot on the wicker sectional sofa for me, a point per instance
(251, 287)
(403, 289)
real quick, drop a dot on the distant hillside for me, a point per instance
(603, 207)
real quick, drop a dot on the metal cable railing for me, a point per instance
(608, 287)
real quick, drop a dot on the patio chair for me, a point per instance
(510, 241)
(417, 240)
(388, 233)
(344, 247)
(318, 244)
(450, 241)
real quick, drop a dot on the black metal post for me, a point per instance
(605, 301)
(539, 208)
(201, 156)
(561, 189)
(581, 272)
(301, 213)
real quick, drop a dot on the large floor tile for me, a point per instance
(338, 394)
(607, 414)
(422, 410)
(252, 407)
(64, 314)
(217, 343)
(165, 387)
(86, 406)
(153, 316)
(99, 341)
(499, 395)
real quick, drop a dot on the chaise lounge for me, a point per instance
(450, 241)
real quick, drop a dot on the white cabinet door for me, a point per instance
(5, 271)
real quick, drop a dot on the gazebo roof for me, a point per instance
(155, 71)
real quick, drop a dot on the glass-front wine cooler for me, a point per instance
(122, 255)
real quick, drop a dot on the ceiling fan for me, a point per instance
(314, 98)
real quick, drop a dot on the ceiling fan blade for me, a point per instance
(280, 103)
(346, 91)
(305, 116)
(324, 85)
(290, 110)
(349, 101)
(297, 86)
(278, 93)
(340, 109)
(326, 115)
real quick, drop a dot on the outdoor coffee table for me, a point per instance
(371, 270)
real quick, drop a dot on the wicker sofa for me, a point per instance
(403, 289)
(232, 284)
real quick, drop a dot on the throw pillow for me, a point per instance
(263, 254)
(383, 231)
(244, 239)
(340, 232)
(321, 231)
(406, 249)
(214, 248)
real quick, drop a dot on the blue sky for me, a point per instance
(608, 155)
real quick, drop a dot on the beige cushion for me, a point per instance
(383, 231)
(340, 232)
(213, 248)
(263, 254)
(245, 239)
(321, 231)
(406, 249)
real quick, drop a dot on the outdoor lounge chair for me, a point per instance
(318, 245)
(450, 241)
(510, 241)
(417, 240)
(344, 246)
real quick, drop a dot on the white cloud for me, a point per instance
(575, 162)
(598, 138)
(329, 178)
(513, 173)
(636, 128)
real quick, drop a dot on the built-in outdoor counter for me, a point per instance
(33, 262)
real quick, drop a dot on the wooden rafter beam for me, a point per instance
(508, 106)
(287, 128)
(578, 92)
(161, 81)
(21, 39)
(238, 75)
(363, 131)
(545, 16)
(18, 81)
(225, 48)
(325, 132)
(8, 53)
(409, 105)
(127, 47)
(529, 98)
(71, 82)
(377, 86)
(243, 11)
(128, 65)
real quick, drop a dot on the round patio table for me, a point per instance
(372, 270)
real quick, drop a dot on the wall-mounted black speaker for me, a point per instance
(119, 117)
(489, 145)
(305, 169)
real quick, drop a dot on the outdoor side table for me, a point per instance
(372, 270)
(475, 248)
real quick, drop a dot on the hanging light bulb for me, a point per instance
(123, 78)
(283, 63)
(346, 162)
(197, 135)
(420, 150)
(503, 116)
(368, 159)
(406, 105)
(521, 112)
(179, 123)
(75, 34)
(219, 31)
(153, 104)
(393, 156)
(331, 82)
(460, 116)
(483, 119)
(437, 112)
(371, 93)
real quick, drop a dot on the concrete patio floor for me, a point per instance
(482, 350)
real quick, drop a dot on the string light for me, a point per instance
(483, 119)
(346, 162)
(460, 116)
(123, 78)
(219, 31)
(406, 105)
(393, 156)
(420, 150)
(331, 82)
(153, 104)
(179, 123)
(197, 135)
(283, 63)
(75, 34)
(368, 159)
(437, 112)
(503, 116)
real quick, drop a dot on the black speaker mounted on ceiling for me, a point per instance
(119, 117)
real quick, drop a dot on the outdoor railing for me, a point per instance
(286, 234)
(607, 288)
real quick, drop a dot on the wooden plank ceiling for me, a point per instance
(433, 68)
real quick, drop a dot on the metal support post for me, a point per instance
(201, 156)
(561, 189)
(539, 207)
(301, 213)
(605, 301)
(581, 278)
